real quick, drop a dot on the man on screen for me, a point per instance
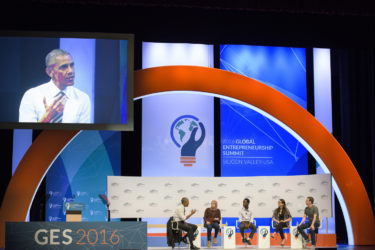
(56, 101)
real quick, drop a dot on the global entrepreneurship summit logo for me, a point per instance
(229, 232)
(264, 232)
(183, 133)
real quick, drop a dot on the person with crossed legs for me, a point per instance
(180, 217)
(312, 212)
(246, 221)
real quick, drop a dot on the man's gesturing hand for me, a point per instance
(57, 107)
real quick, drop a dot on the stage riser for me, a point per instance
(324, 241)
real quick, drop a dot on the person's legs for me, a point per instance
(273, 235)
(209, 229)
(242, 229)
(253, 229)
(243, 226)
(313, 235)
(193, 228)
(312, 232)
(184, 227)
(189, 228)
(216, 226)
(279, 229)
(301, 230)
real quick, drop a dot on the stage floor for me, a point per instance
(219, 248)
(339, 247)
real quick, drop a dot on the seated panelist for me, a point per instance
(246, 222)
(282, 217)
(212, 217)
(181, 217)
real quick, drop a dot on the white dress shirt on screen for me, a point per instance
(77, 108)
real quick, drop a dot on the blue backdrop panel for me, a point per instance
(80, 174)
(185, 130)
(251, 144)
(281, 68)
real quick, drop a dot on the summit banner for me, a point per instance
(76, 235)
(252, 144)
(178, 135)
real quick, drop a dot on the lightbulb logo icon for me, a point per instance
(229, 232)
(183, 133)
(264, 232)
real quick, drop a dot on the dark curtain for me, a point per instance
(6, 147)
(353, 100)
(353, 88)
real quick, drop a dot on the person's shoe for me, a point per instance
(244, 241)
(282, 243)
(193, 247)
(312, 247)
(273, 236)
(215, 240)
(304, 244)
(308, 241)
(248, 241)
(208, 243)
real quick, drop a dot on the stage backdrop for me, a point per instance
(177, 128)
(177, 135)
(136, 197)
(251, 144)
(81, 176)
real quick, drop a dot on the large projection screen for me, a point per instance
(66, 80)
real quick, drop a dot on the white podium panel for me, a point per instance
(264, 237)
(228, 237)
(295, 242)
(197, 235)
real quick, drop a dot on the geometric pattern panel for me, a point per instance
(136, 197)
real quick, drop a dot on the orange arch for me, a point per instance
(30, 172)
(49, 144)
(225, 83)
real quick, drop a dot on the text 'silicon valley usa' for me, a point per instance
(184, 131)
